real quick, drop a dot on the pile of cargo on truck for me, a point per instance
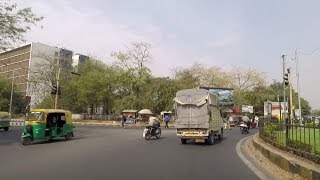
(198, 115)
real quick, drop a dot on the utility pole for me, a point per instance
(290, 97)
(298, 85)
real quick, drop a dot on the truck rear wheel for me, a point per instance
(210, 140)
(220, 136)
(183, 141)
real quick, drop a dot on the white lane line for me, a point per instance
(248, 163)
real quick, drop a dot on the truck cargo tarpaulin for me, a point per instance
(225, 95)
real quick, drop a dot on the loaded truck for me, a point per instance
(198, 116)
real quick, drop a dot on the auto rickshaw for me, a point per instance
(4, 121)
(47, 124)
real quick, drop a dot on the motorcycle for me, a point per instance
(151, 131)
(244, 128)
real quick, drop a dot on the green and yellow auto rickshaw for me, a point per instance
(47, 124)
(4, 121)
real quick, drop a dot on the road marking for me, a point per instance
(247, 162)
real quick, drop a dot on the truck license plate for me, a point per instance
(200, 140)
(191, 134)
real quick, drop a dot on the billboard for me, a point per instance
(275, 108)
(247, 109)
(225, 95)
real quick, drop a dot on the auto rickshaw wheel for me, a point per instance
(69, 136)
(6, 128)
(26, 141)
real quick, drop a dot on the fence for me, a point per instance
(302, 140)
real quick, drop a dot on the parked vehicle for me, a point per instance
(151, 131)
(197, 116)
(47, 124)
(4, 121)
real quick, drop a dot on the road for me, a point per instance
(114, 153)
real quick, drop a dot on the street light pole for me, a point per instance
(12, 83)
(298, 85)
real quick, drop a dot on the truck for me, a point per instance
(198, 116)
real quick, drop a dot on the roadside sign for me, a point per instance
(247, 109)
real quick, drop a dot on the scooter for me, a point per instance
(151, 131)
(244, 128)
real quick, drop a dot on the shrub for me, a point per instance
(299, 145)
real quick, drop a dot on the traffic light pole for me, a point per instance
(285, 101)
(290, 97)
(57, 89)
(284, 88)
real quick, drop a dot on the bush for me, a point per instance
(299, 145)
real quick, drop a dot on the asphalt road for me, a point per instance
(114, 153)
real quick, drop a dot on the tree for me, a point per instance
(43, 76)
(277, 88)
(14, 23)
(133, 74)
(160, 94)
(18, 102)
(245, 80)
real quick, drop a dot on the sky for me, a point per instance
(245, 33)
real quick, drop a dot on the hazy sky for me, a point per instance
(223, 33)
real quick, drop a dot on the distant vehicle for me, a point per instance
(150, 131)
(244, 128)
(197, 116)
(47, 124)
(4, 121)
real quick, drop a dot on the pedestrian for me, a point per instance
(230, 121)
(123, 120)
(256, 119)
(166, 120)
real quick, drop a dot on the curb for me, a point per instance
(21, 123)
(110, 124)
(284, 163)
(247, 162)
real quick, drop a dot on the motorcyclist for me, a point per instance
(153, 122)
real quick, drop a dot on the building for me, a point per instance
(78, 59)
(23, 64)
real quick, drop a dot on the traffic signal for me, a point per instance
(54, 90)
(28, 108)
(286, 79)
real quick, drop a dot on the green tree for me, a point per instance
(277, 88)
(133, 75)
(18, 103)
(14, 23)
(160, 94)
